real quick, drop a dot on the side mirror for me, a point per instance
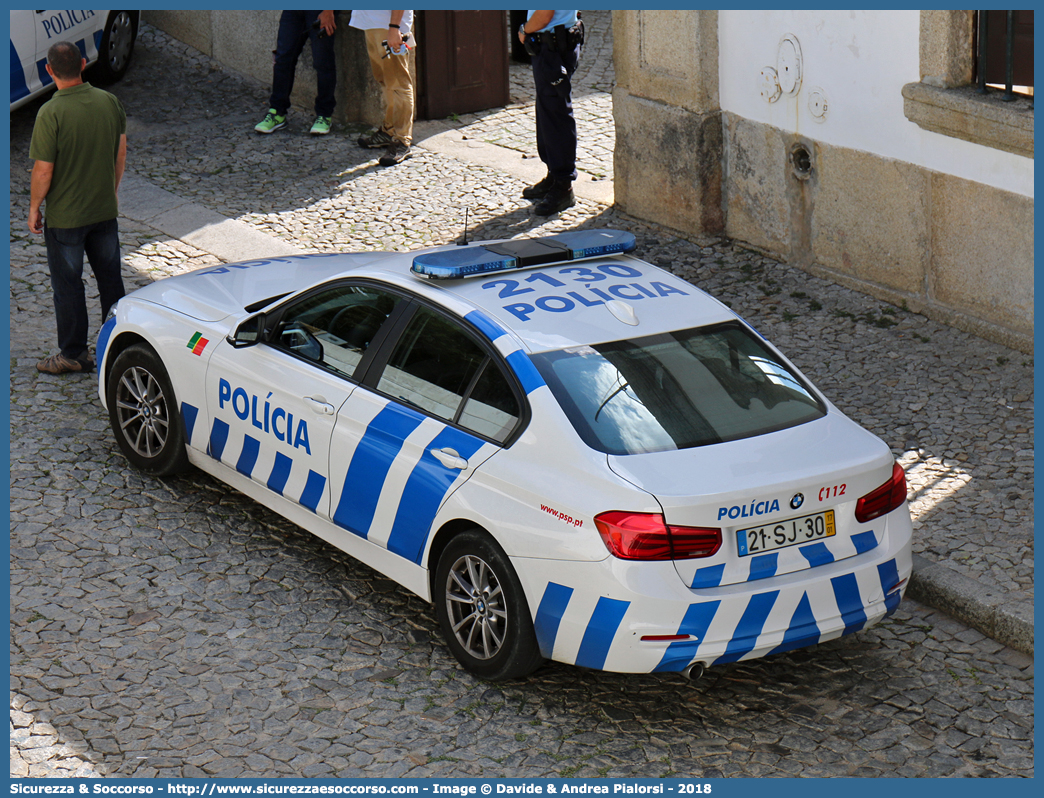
(249, 332)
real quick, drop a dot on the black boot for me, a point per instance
(538, 190)
(558, 198)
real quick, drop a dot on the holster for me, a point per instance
(559, 39)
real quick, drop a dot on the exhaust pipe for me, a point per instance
(694, 671)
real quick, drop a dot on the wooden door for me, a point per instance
(462, 62)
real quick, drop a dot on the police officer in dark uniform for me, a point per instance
(553, 39)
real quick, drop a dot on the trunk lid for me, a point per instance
(787, 487)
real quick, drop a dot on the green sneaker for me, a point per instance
(321, 126)
(271, 123)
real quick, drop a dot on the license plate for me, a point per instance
(780, 535)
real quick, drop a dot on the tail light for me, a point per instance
(645, 536)
(884, 499)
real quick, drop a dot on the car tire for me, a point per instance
(117, 45)
(143, 412)
(482, 609)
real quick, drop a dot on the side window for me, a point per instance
(439, 368)
(334, 327)
(491, 409)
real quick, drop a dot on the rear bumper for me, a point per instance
(596, 614)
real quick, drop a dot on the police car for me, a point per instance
(573, 454)
(106, 39)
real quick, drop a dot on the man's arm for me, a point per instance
(121, 161)
(394, 34)
(39, 185)
(537, 22)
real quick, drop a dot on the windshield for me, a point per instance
(676, 390)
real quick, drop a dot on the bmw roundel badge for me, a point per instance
(797, 501)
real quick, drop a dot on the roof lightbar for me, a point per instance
(521, 254)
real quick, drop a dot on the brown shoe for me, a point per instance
(377, 140)
(397, 152)
(60, 364)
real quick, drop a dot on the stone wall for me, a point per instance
(668, 164)
(951, 248)
(244, 40)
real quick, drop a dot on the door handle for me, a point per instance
(320, 405)
(449, 458)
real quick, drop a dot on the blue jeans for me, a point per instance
(294, 28)
(66, 247)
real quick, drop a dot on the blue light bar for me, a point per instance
(521, 253)
(595, 243)
(467, 262)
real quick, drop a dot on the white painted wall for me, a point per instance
(860, 60)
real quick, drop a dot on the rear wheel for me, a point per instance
(117, 44)
(143, 412)
(482, 609)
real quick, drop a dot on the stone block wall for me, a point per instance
(954, 249)
(244, 40)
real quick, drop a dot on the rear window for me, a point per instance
(676, 390)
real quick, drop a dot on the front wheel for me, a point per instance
(117, 44)
(143, 412)
(482, 609)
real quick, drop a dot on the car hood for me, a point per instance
(215, 292)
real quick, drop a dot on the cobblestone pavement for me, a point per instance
(175, 628)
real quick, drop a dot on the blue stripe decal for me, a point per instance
(803, 630)
(97, 41)
(103, 335)
(373, 457)
(889, 574)
(218, 439)
(709, 576)
(280, 473)
(865, 541)
(549, 616)
(248, 457)
(696, 622)
(18, 87)
(313, 491)
(749, 627)
(601, 630)
(817, 554)
(41, 72)
(763, 566)
(188, 415)
(485, 324)
(846, 592)
(424, 493)
(525, 371)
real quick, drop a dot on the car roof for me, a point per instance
(555, 305)
(565, 303)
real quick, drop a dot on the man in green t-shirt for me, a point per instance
(79, 146)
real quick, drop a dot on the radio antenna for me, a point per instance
(464, 239)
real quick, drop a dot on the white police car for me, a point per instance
(574, 454)
(106, 39)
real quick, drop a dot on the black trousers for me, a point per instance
(555, 125)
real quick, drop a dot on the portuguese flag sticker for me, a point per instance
(197, 343)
